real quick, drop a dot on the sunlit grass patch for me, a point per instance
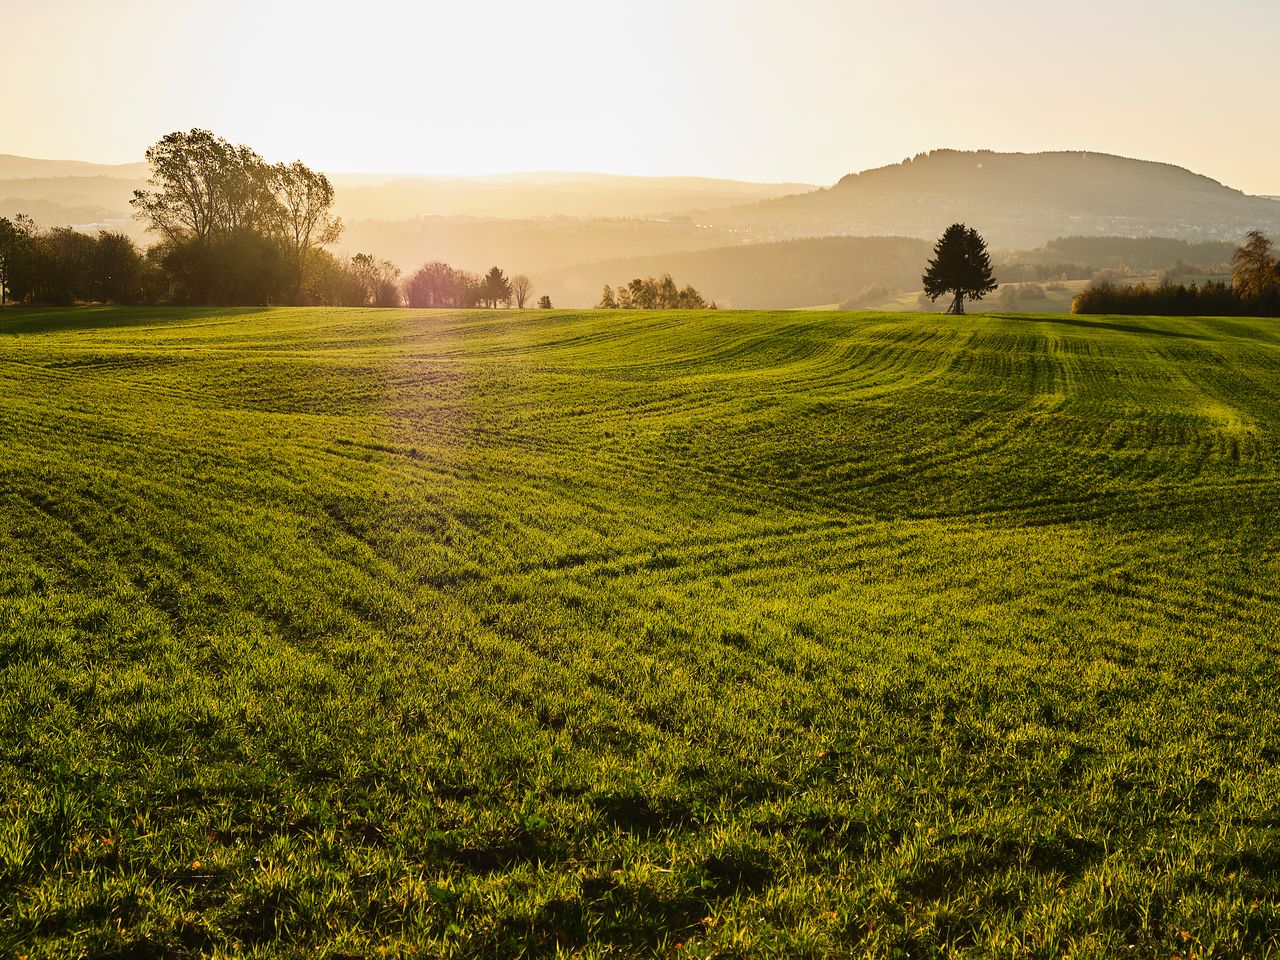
(496, 634)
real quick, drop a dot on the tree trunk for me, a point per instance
(957, 305)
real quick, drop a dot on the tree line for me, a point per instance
(1254, 290)
(62, 265)
(231, 229)
(650, 293)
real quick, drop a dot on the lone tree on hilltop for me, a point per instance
(960, 266)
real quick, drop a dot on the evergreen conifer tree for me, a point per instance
(960, 267)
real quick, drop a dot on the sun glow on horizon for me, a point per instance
(802, 91)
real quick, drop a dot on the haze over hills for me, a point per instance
(787, 273)
(572, 232)
(13, 168)
(530, 245)
(523, 196)
(88, 195)
(1016, 199)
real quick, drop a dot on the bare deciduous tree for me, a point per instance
(521, 287)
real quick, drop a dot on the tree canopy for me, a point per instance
(1254, 271)
(233, 228)
(960, 267)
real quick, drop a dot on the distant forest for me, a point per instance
(1139, 253)
(1254, 290)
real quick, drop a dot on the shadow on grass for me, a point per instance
(1262, 862)
(1099, 325)
(608, 913)
(636, 814)
(37, 320)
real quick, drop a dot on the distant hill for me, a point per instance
(15, 168)
(59, 192)
(84, 202)
(1015, 200)
(523, 196)
(529, 246)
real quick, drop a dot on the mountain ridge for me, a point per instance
(1015, 199)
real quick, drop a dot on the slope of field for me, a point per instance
(357, 633)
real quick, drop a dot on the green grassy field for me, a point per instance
(364, 633)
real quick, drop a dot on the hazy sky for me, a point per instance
(801, 90)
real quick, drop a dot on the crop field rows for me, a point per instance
(357, 632)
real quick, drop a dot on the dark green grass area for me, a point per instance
(358, 633)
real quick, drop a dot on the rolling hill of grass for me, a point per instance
(358, 633)
(1015, 200)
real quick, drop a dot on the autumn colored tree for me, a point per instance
(1254, 271)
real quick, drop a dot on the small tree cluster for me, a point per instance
(437, 284)
(653, 294)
